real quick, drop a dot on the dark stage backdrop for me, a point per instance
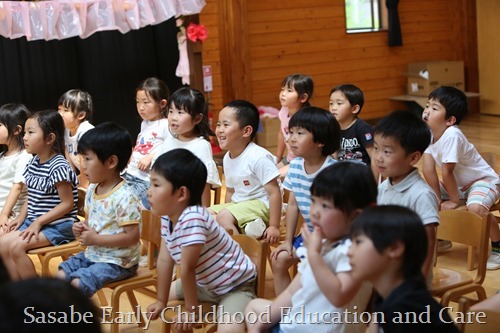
(109, 65)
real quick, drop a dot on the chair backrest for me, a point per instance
(464, 227)
(82, 192)
(257, 252)
(492, 159)
(151, 232)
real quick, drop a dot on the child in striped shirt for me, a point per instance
(214, 267)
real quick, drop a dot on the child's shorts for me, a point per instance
(138, 186)
(57, 234)
(245, 211)
(93, 275)
(233, 302)
(481, 192)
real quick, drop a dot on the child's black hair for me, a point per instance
(50, 121)
(410, 131)
(22, 304)
(353, 94)
(193, 102)
(453, 100)
(246, 114)
(322, 124)
(302, 84)
(105, 140)
(156, 89)
(350, 186)
(388, 224)
(77, 101)
(182, 168)
(13, 115)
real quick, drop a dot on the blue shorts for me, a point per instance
(57, 234)
(297, 241)
(93, 275)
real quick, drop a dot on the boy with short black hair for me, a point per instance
(214, 267)
(400, 140)
(253, 197)
(346, 102)
(313, 136)
(389, 246)
(466, 175)
(111, 229)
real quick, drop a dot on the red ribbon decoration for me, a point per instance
(196, 32)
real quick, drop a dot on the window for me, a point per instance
(365, 15)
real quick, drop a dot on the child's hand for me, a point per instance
(272, 235)
(14, 224)
(286, 247)
(313, 241)
(88, 235)
(77, 228)
(145, 162)
(32, 231)
(185, 322)
(448, 205)
(155, 309)
(4, 220)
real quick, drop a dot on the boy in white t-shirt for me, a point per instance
(466, 175)
(253, 197)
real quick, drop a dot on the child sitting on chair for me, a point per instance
(389, 247)
(214, 267)
(466, 175)
(111, 229)
(253, 197)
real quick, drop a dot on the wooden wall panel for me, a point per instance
(292, 36)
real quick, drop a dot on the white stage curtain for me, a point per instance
(65, 18)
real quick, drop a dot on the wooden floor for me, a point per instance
(482, 131)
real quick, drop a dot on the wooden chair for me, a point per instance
(487, 323)
(217, 191)
(257, 252)
(47, 253)
(145, 276)
(464, 227)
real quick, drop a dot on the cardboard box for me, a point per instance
(439, 73)
(267, 135)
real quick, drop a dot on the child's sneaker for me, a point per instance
(255, 228)
(493, 261)
(143, 260)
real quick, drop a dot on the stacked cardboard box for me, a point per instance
(267, 135)
(424, 77)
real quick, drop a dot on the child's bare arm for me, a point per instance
(292, 217)
(128, 237)
(430, 230)
(164, 268)
(229, 194)
(281, 147)
(65, 192)
(189, 259)
(338, 288)
(10, 202)
(272, 233)
(430, 174)
(451, 186)
(145, 162)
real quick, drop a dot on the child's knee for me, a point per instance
(477, 209)
(225, 218)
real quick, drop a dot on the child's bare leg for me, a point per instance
(19, 250)
(5, 246)
(280, 268)
(494, 230)
(227, 221)
(256, 310)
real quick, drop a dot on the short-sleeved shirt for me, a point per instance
(249, 172)
(152, 135)
(412, 296)
(354, 141)
(41, 180)
(11, 172)
(222, 264)
(412, 192)
(71, 142)
(299, 182)
(319, 313)
(453, 147)
(201, 148)
(107, 214)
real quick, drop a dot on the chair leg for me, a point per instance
(471, 258)
(102, 298)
